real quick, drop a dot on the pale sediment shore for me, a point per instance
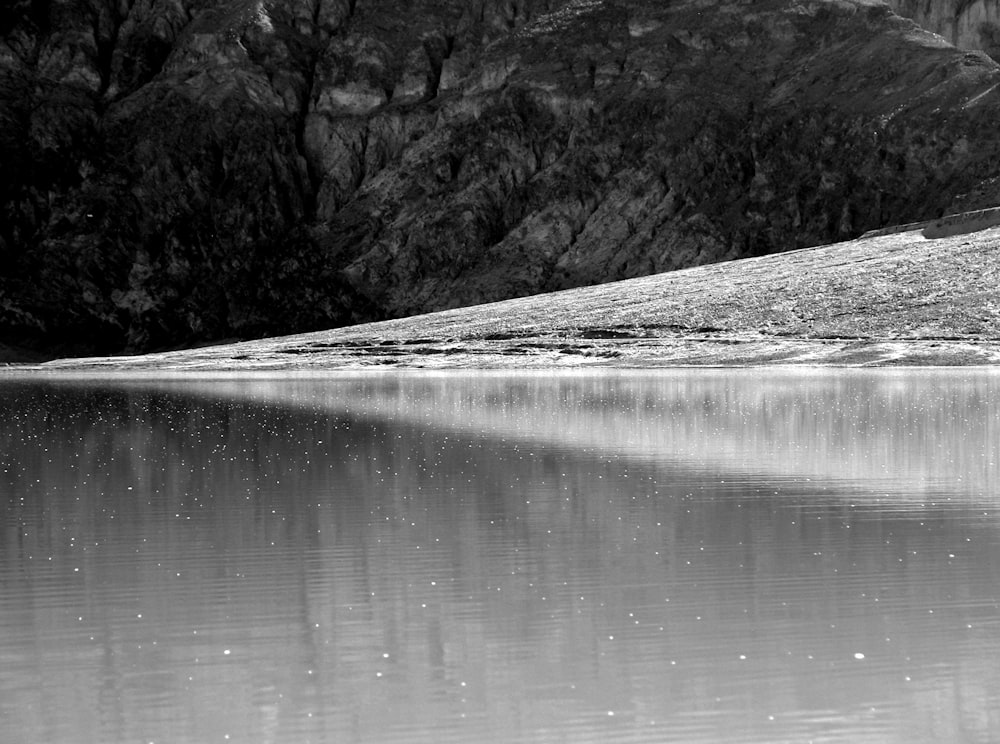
(900, 298)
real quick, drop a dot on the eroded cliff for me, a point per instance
(178, 171)
(968, 24)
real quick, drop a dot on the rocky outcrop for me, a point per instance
(181, 171)
(968, 24)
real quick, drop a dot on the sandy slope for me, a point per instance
(895, 299)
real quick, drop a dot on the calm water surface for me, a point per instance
(678, 557)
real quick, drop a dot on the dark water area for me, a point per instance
(698, 556)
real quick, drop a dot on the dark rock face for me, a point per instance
(179, 171)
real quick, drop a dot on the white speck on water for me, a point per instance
(859, 656)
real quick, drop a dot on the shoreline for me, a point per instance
(663, 354)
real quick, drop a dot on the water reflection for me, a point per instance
(907, 432)
(691, 557)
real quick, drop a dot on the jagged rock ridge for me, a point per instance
(178, 171)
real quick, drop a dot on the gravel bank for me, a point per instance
(888, 300)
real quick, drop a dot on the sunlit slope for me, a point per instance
(894, 299)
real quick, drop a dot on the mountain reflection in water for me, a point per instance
(691, 557)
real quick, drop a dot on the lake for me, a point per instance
(690, 556)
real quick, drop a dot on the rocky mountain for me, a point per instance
(174, 172)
